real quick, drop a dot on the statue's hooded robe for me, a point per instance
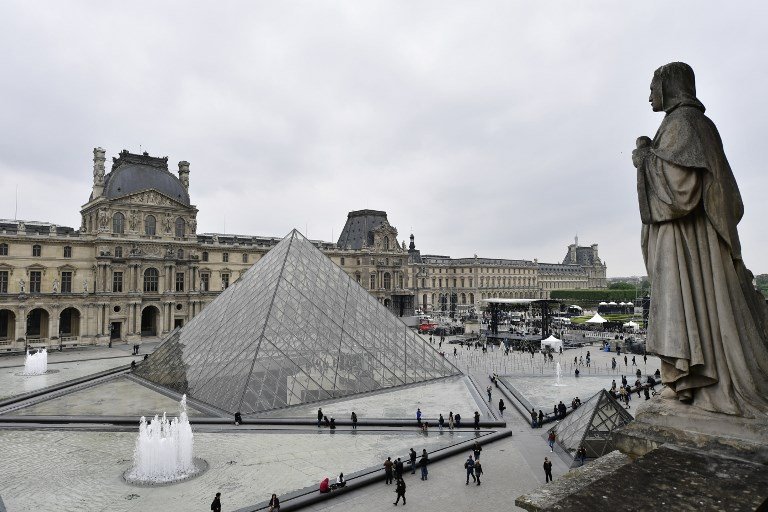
(707, 322)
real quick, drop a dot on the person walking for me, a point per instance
(388, 470)
(413, 461)
(581, 454)
(450, 420)
(354, 420)
(533, 418)
(541, 418)
(441, 422)
(476, 449)
(488, 390)
(418, 416)
(458, 420)
(398, 468)
(469, 465)
(551, 440)
(625, 360)
(547, 470)
(319, 417)
(400, 490)
(478, 471)
(633, 361)
(216, 503)
(501, 407)
(423, 461)
(274, 504)
(477, 420)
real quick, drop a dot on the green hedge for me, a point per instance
(592, 298)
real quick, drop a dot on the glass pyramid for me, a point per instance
(592, 426)
(295, 328)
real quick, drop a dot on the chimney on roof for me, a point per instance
(184, 174)
(98, 171)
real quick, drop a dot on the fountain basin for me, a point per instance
(130, 477)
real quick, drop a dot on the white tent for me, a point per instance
(597, 319)
(632, 325)
(552, 342)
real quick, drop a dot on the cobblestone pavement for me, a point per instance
(80, 471)
(512, 466)
(117, 397)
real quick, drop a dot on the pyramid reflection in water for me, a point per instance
(294, 328)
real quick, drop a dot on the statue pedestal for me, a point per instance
(668, 421)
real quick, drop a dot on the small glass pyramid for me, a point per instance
(295, 328)
(592, 426)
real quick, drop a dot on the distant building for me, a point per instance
(137, 268)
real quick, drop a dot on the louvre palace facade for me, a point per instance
(136, 268)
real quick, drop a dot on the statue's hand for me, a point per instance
(643, 150)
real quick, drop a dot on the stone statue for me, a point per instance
(103, 219)
(192, 226)
(55, 286)
(85, 286)
(168, 223)
(133, 220)
(707, 322)
(21, 285)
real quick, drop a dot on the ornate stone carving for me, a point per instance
(133, 220)
(103, 220)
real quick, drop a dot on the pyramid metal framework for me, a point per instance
(295, 328)
(592, 426)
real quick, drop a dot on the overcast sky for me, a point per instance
(500, 129)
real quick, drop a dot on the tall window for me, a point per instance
(400, 280)
(117, 282)
(342, 261)
(179, 281)
(35, 280)
(180, 254)
(387, 281)
(357, 277)
(151, 279)
(205, 280)
(3, 249)
(373, 281)
(149, 225)
(386, 243)
(36, 250)
(224, 281)
(225, 257)
(118, 252)
(118, 223)
(245, 257)
(66, 282)
(3, 281)
(181, 228)
(205, 256)
(67, 252)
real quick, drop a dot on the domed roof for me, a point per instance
(135, 173)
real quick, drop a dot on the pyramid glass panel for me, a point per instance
(295, 328)
(592, 426)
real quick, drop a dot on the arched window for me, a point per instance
(149, 225)
(67, 251)
(205, 255)
(3, 249)
(387, 281)
(386, 243)
(151, 279)
(471, 298)
(373, 281)
(181, 228)
(36, 250)
(118, 223)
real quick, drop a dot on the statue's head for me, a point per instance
(673, 85)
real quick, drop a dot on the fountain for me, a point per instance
(163, 452)
(37, 363)
(559, 376)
